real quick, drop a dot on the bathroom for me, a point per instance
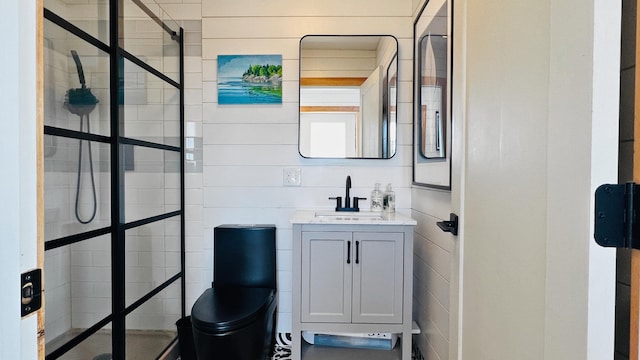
(240, 153)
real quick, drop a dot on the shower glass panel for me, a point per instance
(149, 39)
(96, 345)
(152, 187)
(151, 107)
(74, 171)
(159, 315)
(78, 288)
(152, 257)
(76, 86)
(114, 179)
(92, 16)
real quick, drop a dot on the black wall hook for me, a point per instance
(449, 226)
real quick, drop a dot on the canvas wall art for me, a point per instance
(249, 79)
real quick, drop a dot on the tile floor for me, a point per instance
(283, 352)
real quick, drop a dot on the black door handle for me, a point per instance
(449, 226)
(357, 252)
(348, 252)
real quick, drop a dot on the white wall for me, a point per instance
(18, 189)
(246, 148)
(434, 276)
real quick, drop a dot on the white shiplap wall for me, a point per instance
(247, 147)
(435, 270)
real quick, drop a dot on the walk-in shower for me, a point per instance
(114, 179)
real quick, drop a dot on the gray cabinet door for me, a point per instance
(377, 277)
(326, 277)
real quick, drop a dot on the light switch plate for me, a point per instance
(291, 177)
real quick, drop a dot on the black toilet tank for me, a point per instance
(244, 255)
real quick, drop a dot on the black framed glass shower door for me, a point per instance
(114, 179)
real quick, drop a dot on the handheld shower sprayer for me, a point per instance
(76, 59)
(81, 102)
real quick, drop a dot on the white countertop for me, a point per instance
(345, 217)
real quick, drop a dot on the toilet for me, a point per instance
(235, 318)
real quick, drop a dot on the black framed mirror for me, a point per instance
(348, 96)
(432, 101)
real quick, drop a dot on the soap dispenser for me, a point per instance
(389, 200)
(376, 198)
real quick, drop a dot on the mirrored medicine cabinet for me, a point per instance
(348, 96)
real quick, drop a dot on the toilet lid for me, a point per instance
(228, 308)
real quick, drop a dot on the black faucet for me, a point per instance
(347, 199)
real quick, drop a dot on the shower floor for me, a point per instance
(141, 344)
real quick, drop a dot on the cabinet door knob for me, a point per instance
(357, 252)
(348, 252)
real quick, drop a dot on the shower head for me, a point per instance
(80, 101)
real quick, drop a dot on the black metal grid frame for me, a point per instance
(118, 224)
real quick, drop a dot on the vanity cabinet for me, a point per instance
(352, 276)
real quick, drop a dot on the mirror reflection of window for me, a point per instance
(326, 133)
(347, 79)
(329, 121)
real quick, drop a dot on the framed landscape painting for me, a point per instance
(249, 79)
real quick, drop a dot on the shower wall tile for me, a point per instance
(184, 11)
(194, 197)
(193, 80)
(58, 288)
(193, 96)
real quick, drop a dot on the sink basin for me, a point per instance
(334, 215)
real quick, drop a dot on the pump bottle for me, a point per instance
(389, 201)
(376, 198)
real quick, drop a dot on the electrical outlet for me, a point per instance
(291, 177)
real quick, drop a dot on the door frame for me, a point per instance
(634, 301)
(18, 223)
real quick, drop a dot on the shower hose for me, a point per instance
(93, 182)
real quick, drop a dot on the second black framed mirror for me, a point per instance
(432, 101)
